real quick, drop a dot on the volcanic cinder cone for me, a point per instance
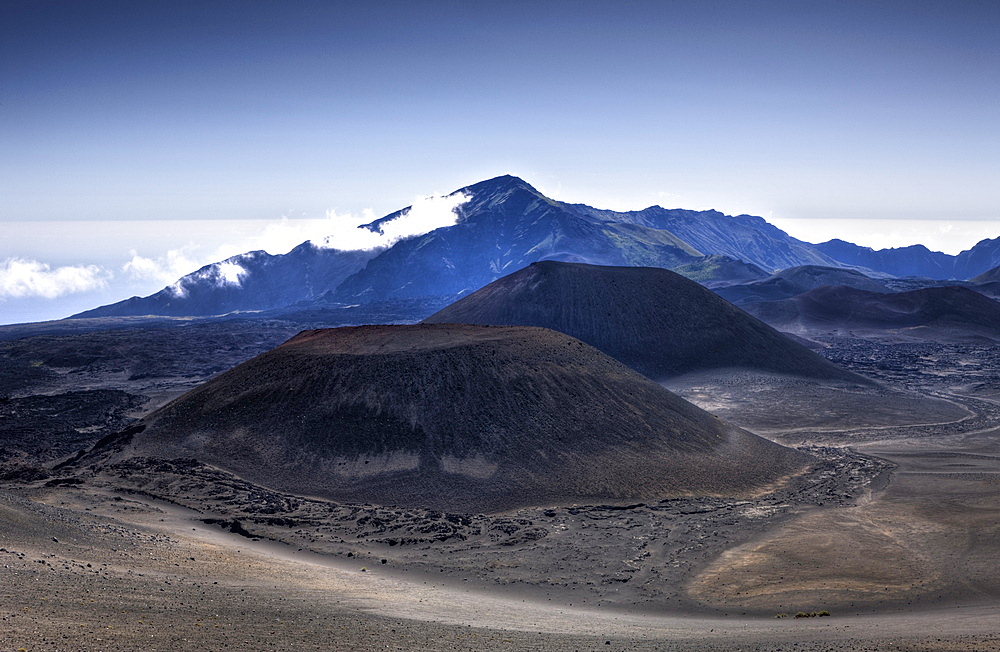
(653, 320)
(459, 418)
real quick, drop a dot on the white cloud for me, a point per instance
(281, 236)
(166, 268)
(228, 273)
(178, 263)
(425, 215)
(21, 277)
(336, 231)
(342, 230)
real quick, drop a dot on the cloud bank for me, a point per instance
(21, 277)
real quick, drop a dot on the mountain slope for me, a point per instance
(743, 237)
(718, 271)
(455, 417)
(978, 260)
(989, 276)
(653, 320)
(505, 225)
(953, 309)
(917, 260)
(251, 281)
(988, 283)
(789, 282)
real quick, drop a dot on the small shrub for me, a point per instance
(812, 614)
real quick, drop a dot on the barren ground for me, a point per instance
(895, 532)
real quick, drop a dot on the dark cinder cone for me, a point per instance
(459, 418)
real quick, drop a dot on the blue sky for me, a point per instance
(133, 124)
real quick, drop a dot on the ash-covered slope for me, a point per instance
(455, 417)
(989, 276)
(789, 282)
(987, 283)
(954, 309)
(984, 256)
(252, 281)
(653, 320)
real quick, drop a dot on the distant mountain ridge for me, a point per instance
(917, 260)
(743, 237)
(505, 225)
